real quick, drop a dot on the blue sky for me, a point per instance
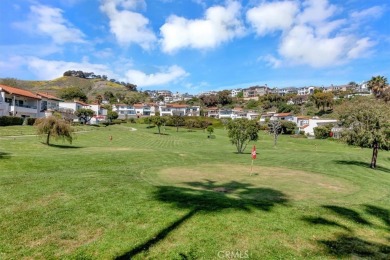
(197, 45)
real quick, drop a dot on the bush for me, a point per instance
(11, 120)
(321, 132)
(31, 121)
(118, 121)
(288, 127)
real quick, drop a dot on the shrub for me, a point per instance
(321, 132)
(31, 121)
(288, 127)
(11, 120)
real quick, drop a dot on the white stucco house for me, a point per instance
(19, 102)
(315, 122)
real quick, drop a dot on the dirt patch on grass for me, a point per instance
(227, 178)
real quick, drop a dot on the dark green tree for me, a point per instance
(112, 115)
(158, 121)
(242, 131)
(224, 97)
(177, 121)
(84, 114)
(71, 93)
(210, 130)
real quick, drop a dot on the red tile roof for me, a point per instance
(138, 105)
(48, 96)
(18, 91)
(81, 103)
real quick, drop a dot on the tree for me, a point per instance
(367, 124)
(99, 99)
(84, 114)
(72, 93)
(54, 127)
(322, 99)
(275, 129)
(288, 127)
(241, 131)
(224, 97)
(204, 124)
(209, 100)
(111, 115)
(210, 130)
(322, 132)
(190, 123)
(177, 121)
(130, 87)
(377, 85)
(158, 121)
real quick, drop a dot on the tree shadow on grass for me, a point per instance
(380, 213)
(348, 214)
(323, 221)
(347, 244)
(352, 246)
(363, 164)
(5, 155)
(62, 146)
(206, 197)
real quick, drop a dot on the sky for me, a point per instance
(197, 45)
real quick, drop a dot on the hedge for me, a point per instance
(11, 120)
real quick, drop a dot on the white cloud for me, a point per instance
(50, 69)
(142, 79)
(311, 35)
(271, 61)
(372, 12)
(50, 22)
(361, 48)
(269, 17)
(316, 11)
(220, 24)
(128, 26)
(302, 46)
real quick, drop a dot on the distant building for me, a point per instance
(255, 91)
(235, 92)
(306, 91)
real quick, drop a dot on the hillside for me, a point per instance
(91, 87)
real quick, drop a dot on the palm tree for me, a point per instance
(377, 85)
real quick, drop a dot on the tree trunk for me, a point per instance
(159, 132)
(374, 155)
(48, 139)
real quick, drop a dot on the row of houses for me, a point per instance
(256, 91)
(23, 103)
(304, 123)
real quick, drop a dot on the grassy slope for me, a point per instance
(104, 199)
(91, 87)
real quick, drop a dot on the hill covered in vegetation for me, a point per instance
(91, 89)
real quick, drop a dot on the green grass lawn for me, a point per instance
(183, 196)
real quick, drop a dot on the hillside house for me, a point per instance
(255, 91)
